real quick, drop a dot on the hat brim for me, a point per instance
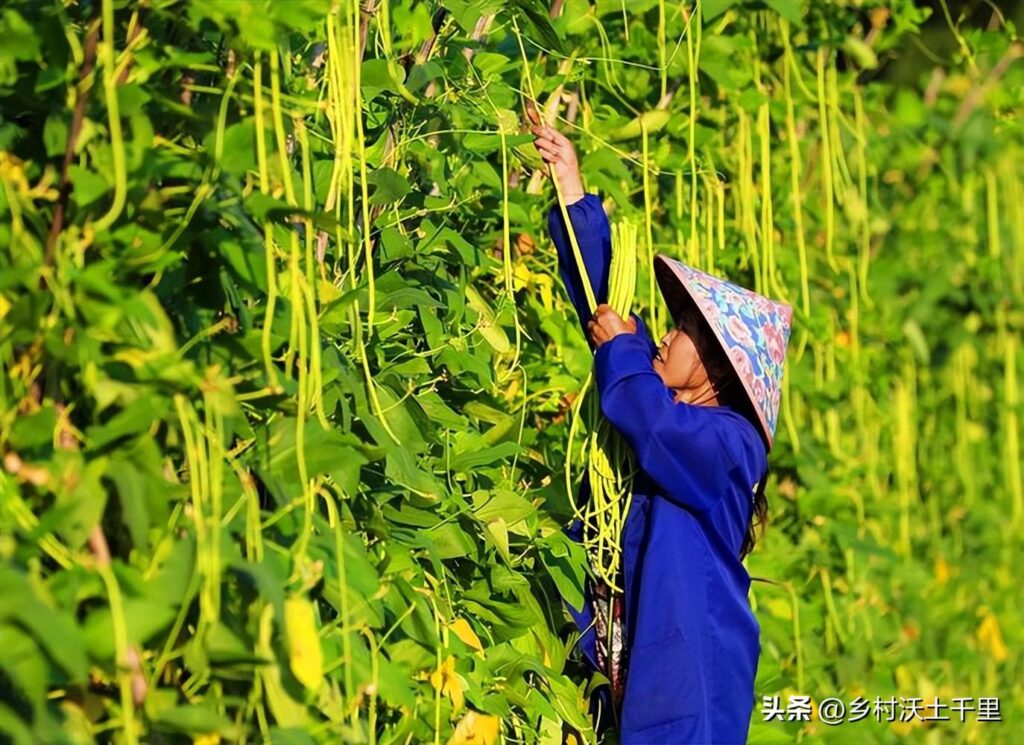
(679, 297)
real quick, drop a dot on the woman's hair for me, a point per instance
(730, 392)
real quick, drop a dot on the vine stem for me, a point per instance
(101, 555)
(106, 52)
(81, 99)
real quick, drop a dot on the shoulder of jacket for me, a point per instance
(744, 435)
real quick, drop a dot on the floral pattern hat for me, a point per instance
(752, 330)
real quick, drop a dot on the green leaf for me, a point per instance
(714, 8)
(262, 207)
(490, 64)
(136, 418)
(718, 61)
(196, 720)
(238, 152)
(339, 454)
(460, 361)
(402, 419)
(482, 142)
(254, 24)
(175, 564)
(565, 561)
(484, 412)
(577, 14)
(131, 98)
(267, 577)
(375, 78)
(52, 628)
(18, 42)
(401, 468)
(409, 515)
(132, 487)
(767, 733)
(438, 411)
(23, 665)
(568, 697)
(536, 16)
(475, 458)
(81, 497)
(34, 431)
(55, 135)
(290, 736)
(396, 246)
(145, 617)
(791, 10)
(468, 12)
(505, 504)
(391, 186)
(497, 529)
(361, 578)
(87, 186)
(248, 261)
(422, 75)
(447, 541)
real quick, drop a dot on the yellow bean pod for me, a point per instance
(609, 461)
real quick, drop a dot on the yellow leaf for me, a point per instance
(449, 682)
(521, 276)
(991, 637)
(304, 654)
(465, 632)
(454, 691)
(941, 570)
(512, 390)
(437, 677)
(476, 729)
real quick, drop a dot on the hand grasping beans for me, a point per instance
(556, 149)
(607, 324)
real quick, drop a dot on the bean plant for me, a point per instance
(289, 371)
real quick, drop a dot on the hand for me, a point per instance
(555, 148)
(607, 324)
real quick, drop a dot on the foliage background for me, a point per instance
(256, 487)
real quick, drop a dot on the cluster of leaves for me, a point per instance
(210, 531)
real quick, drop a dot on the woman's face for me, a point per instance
(678, 363)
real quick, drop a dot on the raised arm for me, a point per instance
(589, 223)
(590, 226)
(689, 450)
(594, 237)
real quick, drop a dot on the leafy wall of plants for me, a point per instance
(287, 362)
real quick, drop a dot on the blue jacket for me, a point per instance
(693, 639)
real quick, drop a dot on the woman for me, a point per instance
(699, 412)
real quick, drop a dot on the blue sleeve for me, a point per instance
(594, 235)
(688, 450)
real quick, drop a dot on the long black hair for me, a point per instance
(759, 518)
(729, 392)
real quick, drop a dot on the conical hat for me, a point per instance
(751, 329)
